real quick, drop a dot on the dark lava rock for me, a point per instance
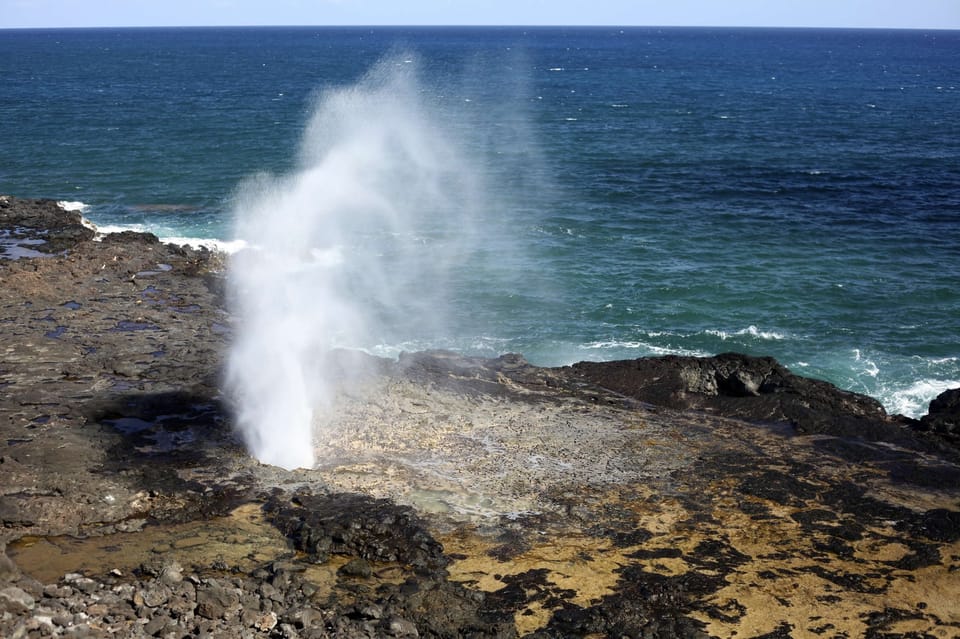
(943, 417)
(938, 524)
(47, 226)
(468, 375)
(757, 389)
(440, 608)
(647, 605)
(427, 604)
(356, 525)
(357, 568)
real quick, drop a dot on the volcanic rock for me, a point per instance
(943, 416)
(757, 389)
(215, 600)
(356, 525)
(453, 497)
(42, 225)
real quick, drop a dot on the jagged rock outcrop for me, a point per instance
(377, 529)
(943, 418)
(456, 496)
(46, 225)
(745, 387)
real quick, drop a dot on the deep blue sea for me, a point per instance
(598, 193)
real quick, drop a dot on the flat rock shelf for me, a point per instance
(453, 496)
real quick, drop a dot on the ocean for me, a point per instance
(565, 193)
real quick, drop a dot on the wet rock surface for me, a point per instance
(39, 227)
(453, 497)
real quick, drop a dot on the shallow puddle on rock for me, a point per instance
(329, 581)
(243, 539)
(324, 576)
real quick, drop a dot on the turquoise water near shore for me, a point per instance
(793, 193)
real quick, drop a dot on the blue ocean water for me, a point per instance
(793, 193)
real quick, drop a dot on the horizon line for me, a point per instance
(478, 26)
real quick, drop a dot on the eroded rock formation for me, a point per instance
(454, 496)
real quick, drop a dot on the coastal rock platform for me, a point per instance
(453, 496)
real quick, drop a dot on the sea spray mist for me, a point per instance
(349, 249)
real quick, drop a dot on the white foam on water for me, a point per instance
(68, 205)
(221, 246)
(81, 207)
(902, 386)
(349, 250)
(107, 229)
(642, 348)
(864, 364)
(751, 330)
(914, 400)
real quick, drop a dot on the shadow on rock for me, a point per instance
(377, 531)
(178, 444)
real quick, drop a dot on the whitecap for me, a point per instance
(666, 350)
(751, 330)
(612, 344)
(70, 205)
(648, 349)
(221, 246)
(107, 229)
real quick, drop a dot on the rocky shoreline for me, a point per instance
(661, 497)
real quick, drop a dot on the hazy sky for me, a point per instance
(944, 14)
